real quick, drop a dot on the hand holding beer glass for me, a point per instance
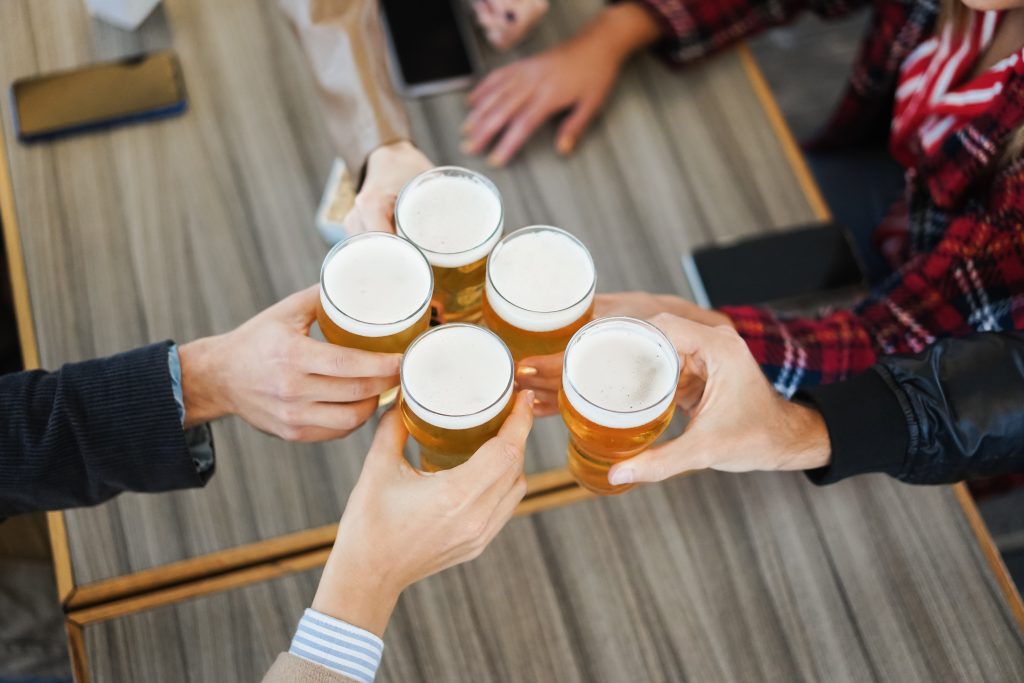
(457, 387)
(455, 216)
(269, 372)
(738, 421)
(375, 291)
(400, 527)
(619, 382)
(539, 291)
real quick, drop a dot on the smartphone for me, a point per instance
(430, 45)
(98, 96)
(784, 266)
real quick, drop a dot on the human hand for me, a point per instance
(388, 169)
(645, 305)
(273, 375)
(506, 22)
(738, 422)
(576, 75)
(543, 374)
(402, 525)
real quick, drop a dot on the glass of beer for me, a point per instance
(457, 383)
(375, 291)
(454, 215)
(618, 391)
(539, 290)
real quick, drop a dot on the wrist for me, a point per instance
(626, 28)
(202, 387)
(390, 152)
(402, 146)
(808, 446)
(355, 594)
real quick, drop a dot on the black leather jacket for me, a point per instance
(953, 412)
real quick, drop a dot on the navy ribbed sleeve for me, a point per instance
(91, 430)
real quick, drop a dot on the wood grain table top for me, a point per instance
(714, 577)
(188, 226)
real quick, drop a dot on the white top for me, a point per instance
(620, 372)
(375, 284)
(540, 278)
(457, 376)
(454, 215)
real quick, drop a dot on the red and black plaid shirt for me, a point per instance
(964, 271)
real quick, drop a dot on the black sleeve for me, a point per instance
(953, 412)
(91, 430)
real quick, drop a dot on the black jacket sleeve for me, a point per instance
(91, 430)
(953, 412)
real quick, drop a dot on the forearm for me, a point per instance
(91, 430)
(339, 639)
(344, 45)
(626, 28)
(953, 412)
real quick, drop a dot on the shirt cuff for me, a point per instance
(199, 440)
(337, 645)
(867, 426)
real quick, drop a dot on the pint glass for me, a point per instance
(619, 381)
(457, 385)
(539, 290)
(455, 216)
(375, 291)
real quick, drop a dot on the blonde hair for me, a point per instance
(955, 13)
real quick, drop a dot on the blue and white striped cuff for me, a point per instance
(338, 645)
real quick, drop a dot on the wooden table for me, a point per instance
(710, 578)
(188, 226)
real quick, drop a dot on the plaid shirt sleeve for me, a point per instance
(697, 28)
(973, 280)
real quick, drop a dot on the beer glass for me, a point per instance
(457, 383)
(455, 216)
(539, 290)
(618, 390)
(375, 291)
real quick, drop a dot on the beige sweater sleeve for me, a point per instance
(344, 44)
(291, 669)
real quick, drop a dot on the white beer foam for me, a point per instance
(540, 278)
(454, 215)
(620, 373)
(457, 376)
(375, 284)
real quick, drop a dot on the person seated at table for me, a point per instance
(401, 525)
(954, 77)
(345, 48)
(138, 421)
(952, 412)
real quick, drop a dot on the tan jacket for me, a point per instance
(291, 669)
(344, 43)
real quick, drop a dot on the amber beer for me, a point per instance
(539, 290)
(455, 216)
(619, 381)
(457, 383)
(375, 291)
